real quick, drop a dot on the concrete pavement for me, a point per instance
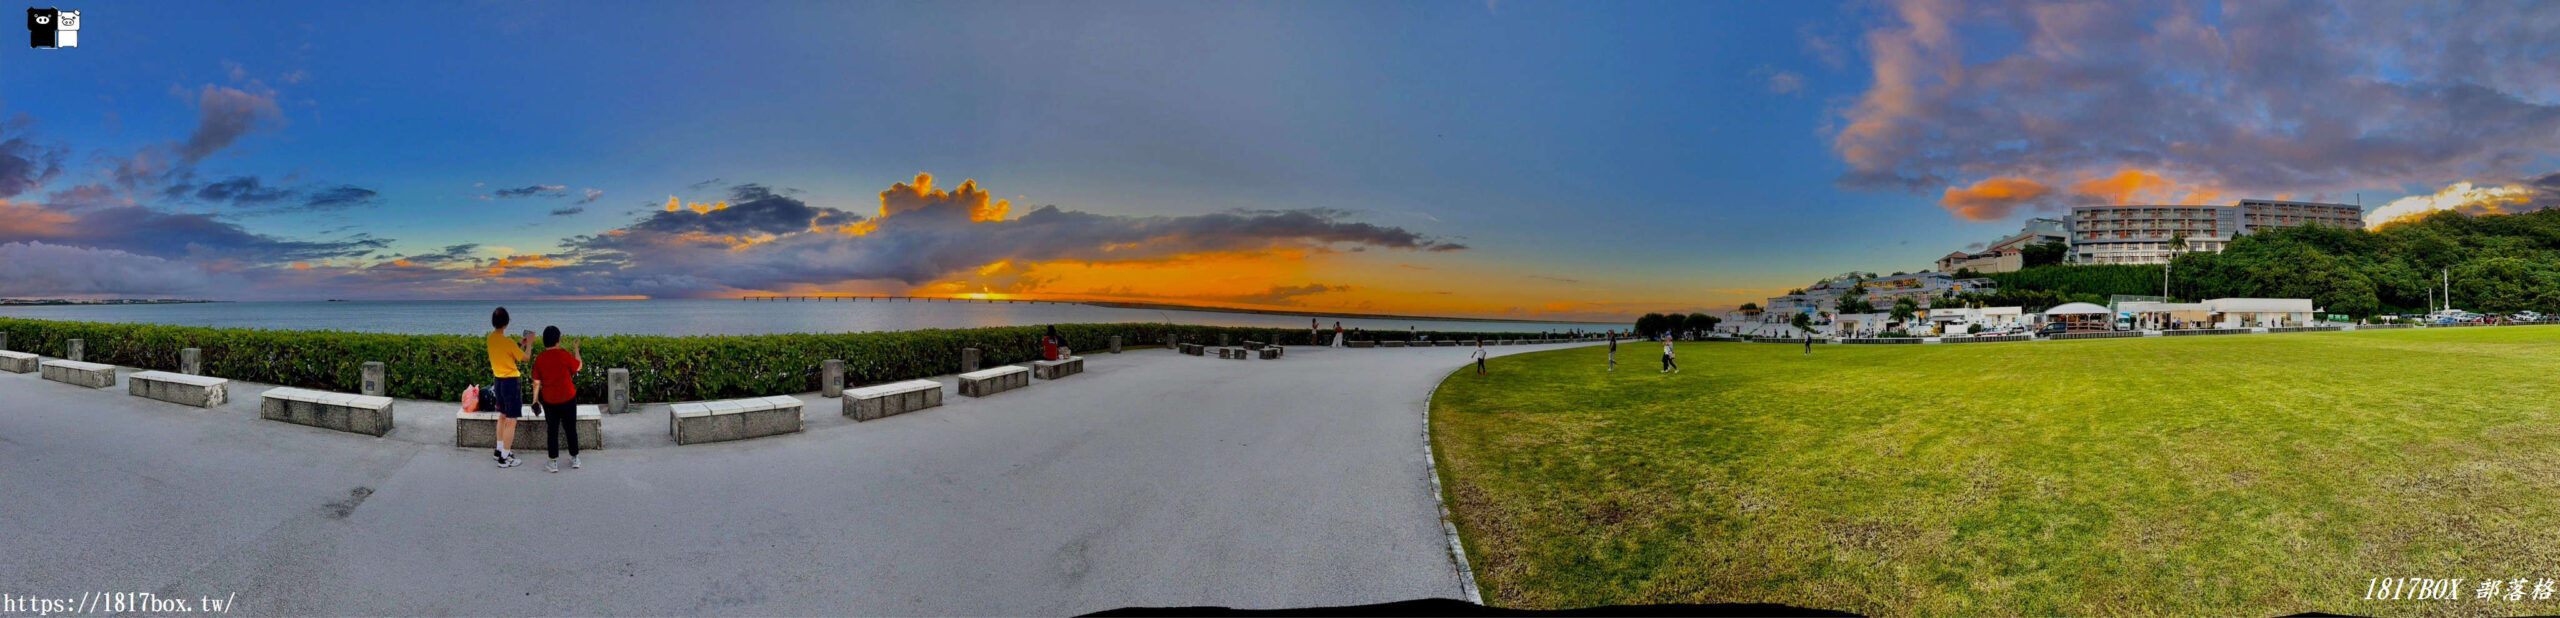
(1153, 479)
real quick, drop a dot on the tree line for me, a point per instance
(2496, 263)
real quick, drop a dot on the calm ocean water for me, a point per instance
(699, 317)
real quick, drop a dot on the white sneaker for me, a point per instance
(510, 462)
(575, 462)
(554, 465)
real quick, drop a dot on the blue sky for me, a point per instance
(1573, 158)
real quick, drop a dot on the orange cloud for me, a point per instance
(500, 267)
(2133, 186)
(1992, 199)
(2459, 197)
(31, 220)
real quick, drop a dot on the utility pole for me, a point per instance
(2448, 288)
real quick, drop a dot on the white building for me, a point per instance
(1960, 320)
(2144, 234)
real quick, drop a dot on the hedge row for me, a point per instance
(438, 367)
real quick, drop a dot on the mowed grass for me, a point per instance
(2216, 475)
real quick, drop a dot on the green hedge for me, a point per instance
(438, 367)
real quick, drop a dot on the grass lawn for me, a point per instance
(2215, 475)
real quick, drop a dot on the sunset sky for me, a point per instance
(1553, 160)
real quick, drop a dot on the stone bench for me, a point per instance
(1361, 344)
(362, 414)
(1276, 351)
(1445, 343)
(733, 419)
(992, 381)
(198, 391)
(1269, 353)
(1255, 345)
(76, 373)
(1051, 370)
(18, 362)
(1193, 349)
(533, 433)
(892, 399)
(1229, 352)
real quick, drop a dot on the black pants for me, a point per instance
(561, 419)
(1667, 365)
(1479, 366)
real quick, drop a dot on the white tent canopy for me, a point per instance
(2076, 309)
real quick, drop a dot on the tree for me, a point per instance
(1653, 324)
(1750, 307)
(1803, 323)
(2043, 253)
(1700, 322)
(1904, 310)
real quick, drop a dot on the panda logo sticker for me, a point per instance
(50, 28)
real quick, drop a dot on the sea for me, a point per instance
(710, 317)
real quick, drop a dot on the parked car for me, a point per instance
(2051, 329)
(2526, 316)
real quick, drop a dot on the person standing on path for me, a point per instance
(1808, 343)
(555, 391)
(1315, 332)
(1337, 334)
(1613, 350)
(1668, 365)
(508, 392)
(1479, 356)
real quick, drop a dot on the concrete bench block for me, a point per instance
(992, 381)
(198, 391)
(533, 433)
(92, 375)
(1051, 370)
(892, 399)
(1360, 344)
(1254, 345)
(362, 414)
(1269, 353)
(18, 362)
(1193, 349)
(831, 378)
(733, 419)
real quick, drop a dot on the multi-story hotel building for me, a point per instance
(2136, 234)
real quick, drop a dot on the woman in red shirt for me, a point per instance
(555, 390)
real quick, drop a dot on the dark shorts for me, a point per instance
(508, 397)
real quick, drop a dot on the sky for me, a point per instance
(1505, 158)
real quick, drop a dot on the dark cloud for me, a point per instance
(223, 114)
(339, 197)
(191, 236)
(243, 190)
(2259, 98)
(533, 191)
(752, 210)
(765, 240)
(563, 212)
(250, 196)
(24, 166)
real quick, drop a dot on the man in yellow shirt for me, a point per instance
(508, 395)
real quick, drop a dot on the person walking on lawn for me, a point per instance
(1668, 365)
